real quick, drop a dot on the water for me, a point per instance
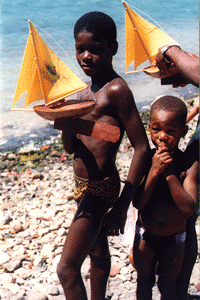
(179, 18)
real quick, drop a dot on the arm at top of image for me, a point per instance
(186, 63)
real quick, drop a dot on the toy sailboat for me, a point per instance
(44, 76)
(143, 40)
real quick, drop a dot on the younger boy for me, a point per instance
(166, 197)
(97, 183)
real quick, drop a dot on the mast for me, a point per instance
(36, 60)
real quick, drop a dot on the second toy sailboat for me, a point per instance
(143, 40)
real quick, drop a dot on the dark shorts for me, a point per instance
(160, 243)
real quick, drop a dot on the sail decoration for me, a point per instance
(143, 39)
(44, 76)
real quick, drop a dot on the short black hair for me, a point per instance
(172, 104)
(98, 23)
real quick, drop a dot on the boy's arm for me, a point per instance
(122, 98)
(193, 112)
(160, 161)
(185, 196)
(69, 140)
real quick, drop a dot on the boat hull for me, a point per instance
(65, 109)
(155, 72)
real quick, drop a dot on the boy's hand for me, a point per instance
(59, 124)
(161, 160)
(115, 221)
(169, 170)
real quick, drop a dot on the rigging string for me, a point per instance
(63, 52)
(132, 6)
(147, 16)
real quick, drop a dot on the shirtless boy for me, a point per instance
(97, 183)
(166, 197)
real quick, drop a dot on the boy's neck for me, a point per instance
(101, 78)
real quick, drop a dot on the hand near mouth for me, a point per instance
(162, 145)
(161, 159)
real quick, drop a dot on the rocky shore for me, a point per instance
(37, 207)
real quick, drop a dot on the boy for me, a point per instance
(166, 197)
(97, 181)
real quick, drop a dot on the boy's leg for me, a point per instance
(144, 261)
(79, 241)
(190, 256)
(100, 266)
(170, 265)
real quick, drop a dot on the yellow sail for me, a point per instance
(143, 39)
(43, 75)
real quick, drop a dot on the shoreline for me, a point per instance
(25, 129)
(37, 154)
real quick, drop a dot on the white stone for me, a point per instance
(4, 257)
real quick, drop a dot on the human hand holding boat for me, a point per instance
(143, 42)
(90, 128)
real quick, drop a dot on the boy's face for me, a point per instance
(92, 55)
(166, 130)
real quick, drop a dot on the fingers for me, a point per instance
(113, 230)
(161, 63)
(59, 124)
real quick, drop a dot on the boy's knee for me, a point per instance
(66, 273)
(144, 280)
(167, 287)
(100, 258)
(62, 273)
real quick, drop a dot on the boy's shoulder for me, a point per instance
(118, 91)
(183, 160)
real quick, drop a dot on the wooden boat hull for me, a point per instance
(155, 72)
(65, 109)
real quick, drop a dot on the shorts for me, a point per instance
(160, 243)
(107, 189)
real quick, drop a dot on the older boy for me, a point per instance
(97, 182)
(166, 197)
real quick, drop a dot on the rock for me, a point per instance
(114, 270)
(4, 257)
(23, 273)
(52, 290)
(33, 295)
(12, 265)
(5, 294)
(61, 232)
(16, 226)
(197, 286)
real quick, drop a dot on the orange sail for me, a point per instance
(43, 75)
(143, 40)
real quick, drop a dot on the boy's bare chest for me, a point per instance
(104, 111)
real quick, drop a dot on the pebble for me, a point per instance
(37, 210)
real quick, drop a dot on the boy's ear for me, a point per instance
(114, 48)
(184, 131)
